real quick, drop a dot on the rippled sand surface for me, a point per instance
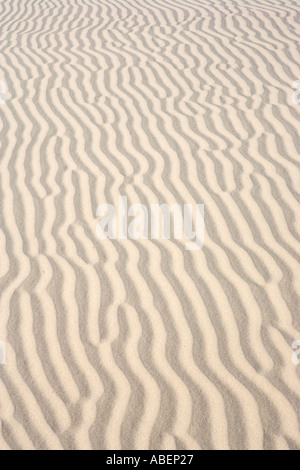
(122, 344)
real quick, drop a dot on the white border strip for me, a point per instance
(2, 353)
(2, 92)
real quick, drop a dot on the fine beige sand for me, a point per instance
(122, 344)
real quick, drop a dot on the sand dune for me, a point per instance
(122, 344)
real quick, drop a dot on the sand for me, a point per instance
(141, 344)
